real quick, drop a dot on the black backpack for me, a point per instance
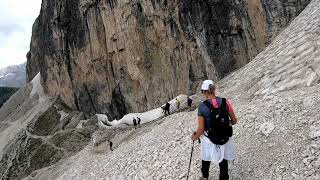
(218, 128)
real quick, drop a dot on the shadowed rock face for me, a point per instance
(116, 57)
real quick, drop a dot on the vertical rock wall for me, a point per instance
(115, 57)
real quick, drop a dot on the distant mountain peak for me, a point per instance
(13, 76)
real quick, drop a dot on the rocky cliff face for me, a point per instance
(116, 57)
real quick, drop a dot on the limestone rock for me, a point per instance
(102, 135)
(116, 57)
(266, 128)
(314, 132)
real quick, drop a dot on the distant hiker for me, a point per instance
(163, 109)
(167, 109)
(111, 144)
(177, 104)
(134, 122)
(215, 117)
(139, 121)
(189, 102)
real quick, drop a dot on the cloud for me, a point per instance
(16, 20)
(10, 27)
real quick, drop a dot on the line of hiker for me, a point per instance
(189, 103)
(166, 107)
(136, 122)
(110, 144)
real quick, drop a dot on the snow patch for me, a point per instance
(62, 115)
(79, 126)
(37, 88)
(145, 117)
(102, 120)
(9, 75)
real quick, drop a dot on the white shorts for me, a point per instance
(216, 153)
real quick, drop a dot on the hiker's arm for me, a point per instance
(200, 129)
(231, 113)
(233, 117)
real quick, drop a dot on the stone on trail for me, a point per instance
(314, 132)
(266, 128)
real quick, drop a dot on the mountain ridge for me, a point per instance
(13, 76)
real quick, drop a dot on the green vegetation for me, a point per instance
(6, 93)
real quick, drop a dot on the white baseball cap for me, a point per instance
(205, 85)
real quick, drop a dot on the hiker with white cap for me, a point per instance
(215, 120)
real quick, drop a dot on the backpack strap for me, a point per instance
(224, 103)
(222, 106)
(211, 107)
(208, 104)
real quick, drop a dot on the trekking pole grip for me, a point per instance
(198, 138)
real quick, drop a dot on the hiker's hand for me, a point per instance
(194, 137)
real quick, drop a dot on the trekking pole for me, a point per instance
(190, 160)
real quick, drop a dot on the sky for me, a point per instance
(16, 20)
